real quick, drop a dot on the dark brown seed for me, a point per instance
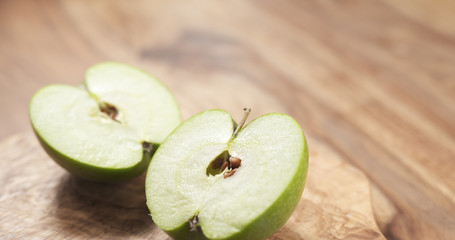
(217, 163)
(225, 164)
(235, 162)
(230, 173)
(108, 109)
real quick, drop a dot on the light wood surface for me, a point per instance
(373, 80)
(43, 201)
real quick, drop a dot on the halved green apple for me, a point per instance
(107, 128)
(213, 180)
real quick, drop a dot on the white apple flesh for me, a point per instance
(252, 203)
(77, 134)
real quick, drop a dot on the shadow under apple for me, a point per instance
(86, 209)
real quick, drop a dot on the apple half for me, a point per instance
(211, 179)
(107, 128)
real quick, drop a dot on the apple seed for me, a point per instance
(235, 162)
(225, 164)
(109, 109)
(230, 173)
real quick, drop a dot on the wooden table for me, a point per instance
(372, 80)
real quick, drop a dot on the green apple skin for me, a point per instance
(274, 217)
(94, 173)
(83, 169)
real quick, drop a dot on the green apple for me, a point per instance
(108, 128)
(213, 180)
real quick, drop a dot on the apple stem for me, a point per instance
(242, 121)
(194, 224)
(147, 146)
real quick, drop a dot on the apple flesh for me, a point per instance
(189, 199)
(108, 128)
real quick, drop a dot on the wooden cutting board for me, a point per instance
(39, 200)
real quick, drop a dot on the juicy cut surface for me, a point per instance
(177, 180)
(178, 188)
(70, 120)
(146, 104)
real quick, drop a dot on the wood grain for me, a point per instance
(373, 80)
(42, 201)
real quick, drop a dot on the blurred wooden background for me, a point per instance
(374, 80)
